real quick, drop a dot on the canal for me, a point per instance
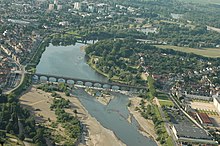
(70, 61)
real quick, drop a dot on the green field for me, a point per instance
(203, 1)
(207, 52)
(164, 99)
(166, 103)
(199, 1)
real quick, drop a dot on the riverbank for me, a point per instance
(146, 126)
(38, 102)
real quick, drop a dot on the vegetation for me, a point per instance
(60, 103)
(152, 91)
(70, 123)
(62, 39)
(152, 112)
(183, 35)
(50, 87)
(125, 60)
(206, 52)
(12, 115)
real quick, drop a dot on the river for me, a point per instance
(70, 61)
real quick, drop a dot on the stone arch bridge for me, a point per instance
(90, 83)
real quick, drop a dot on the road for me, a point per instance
(22, 69)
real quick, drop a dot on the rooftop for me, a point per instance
(189, 131)
(205, 118)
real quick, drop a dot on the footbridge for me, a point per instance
(89, 83)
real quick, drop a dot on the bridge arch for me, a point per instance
(43, 78)
(89, 84)
(106, 86)
(35, 77)
(79, 82)
(69, 81)
(61, 80)
(98, 85)
(53, 79)
(115, 87)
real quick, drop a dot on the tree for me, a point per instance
(67, 93)
(110, 74)
(75, 112)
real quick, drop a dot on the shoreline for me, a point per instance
(146, 127)
(97, 134)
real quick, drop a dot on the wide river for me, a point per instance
(70, 61)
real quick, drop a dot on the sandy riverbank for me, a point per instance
(146, 126)
(97, 134)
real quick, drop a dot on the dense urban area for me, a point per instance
(164, 54)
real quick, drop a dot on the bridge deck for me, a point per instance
(92, 81)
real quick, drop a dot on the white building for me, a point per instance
(64, 23)
(51, 7)
(55, 2)
(216, 100)
(77, 5)
(59, 7)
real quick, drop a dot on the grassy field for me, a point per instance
(200, 1)
(164, 99)
(203, 1)
(166, 103)
(207, 52)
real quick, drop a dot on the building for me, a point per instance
(77, 5)
(64, 23)
(91, 8)
(55, 2)
(83, 6)
(199, 97)
(51, 7)
(59, 7)
(102, 8)
(216, 101)
(191, 134)
(204, 119)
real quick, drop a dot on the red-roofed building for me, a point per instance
(204, 119)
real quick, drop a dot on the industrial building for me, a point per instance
(192, 134)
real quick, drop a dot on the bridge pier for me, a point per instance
(38, 77)
(65, 80)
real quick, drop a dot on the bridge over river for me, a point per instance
(89, 83)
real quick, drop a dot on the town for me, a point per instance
(165, 48)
